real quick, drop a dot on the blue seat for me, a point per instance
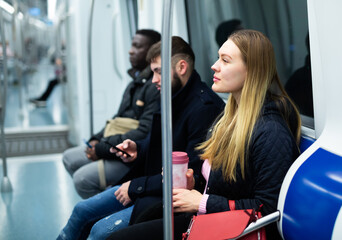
(313, 200)
(305, 143)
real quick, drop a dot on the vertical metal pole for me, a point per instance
(167, 119)
(90, 80)
(131, 17)
(5, 183)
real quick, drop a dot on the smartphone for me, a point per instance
(87, 143)
(119, 150)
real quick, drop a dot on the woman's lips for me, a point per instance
(215, 79)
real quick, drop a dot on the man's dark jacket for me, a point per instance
(194, 109)
(140, 100)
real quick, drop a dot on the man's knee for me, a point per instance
(67, 161)
(103, 228)
(85, 187)
(80, 210)
(72, 159)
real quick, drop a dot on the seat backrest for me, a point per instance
(305, 143)
(310, 200)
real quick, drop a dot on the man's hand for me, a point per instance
(128, 146)
(122, 194)
(90, 152)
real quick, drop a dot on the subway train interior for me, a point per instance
(78, 51)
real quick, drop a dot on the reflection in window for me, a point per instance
(285, 24)
(299, 85)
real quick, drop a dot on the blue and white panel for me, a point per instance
(311, 208)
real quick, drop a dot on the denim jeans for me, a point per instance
(103, 211)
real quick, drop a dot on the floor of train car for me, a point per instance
(42, 199)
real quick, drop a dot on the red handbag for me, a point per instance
(224, 225)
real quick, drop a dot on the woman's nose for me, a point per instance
(214, 66)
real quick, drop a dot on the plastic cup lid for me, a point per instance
(180, 157)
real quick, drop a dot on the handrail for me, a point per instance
(261, 222)
(131, 17)
(5, 183)
(115, 52)
(167, 119)
(90, 81)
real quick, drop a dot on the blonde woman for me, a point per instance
(251, 146)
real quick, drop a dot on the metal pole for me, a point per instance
(5, 183)
(132, 18)
(166, 111)
(90, 69)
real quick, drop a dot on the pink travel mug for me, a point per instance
(179, 168)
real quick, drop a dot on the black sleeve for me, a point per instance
(98, 136)
(145, 186)
(102, 151)
(142, 149)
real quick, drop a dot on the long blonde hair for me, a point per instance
(226, 148)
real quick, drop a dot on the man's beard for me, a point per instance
(176, 83)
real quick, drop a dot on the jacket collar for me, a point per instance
(269, 107)
(142, 77)
(182, 94)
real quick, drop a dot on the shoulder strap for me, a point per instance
(231, 204)
(102, 175)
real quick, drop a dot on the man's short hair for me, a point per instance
(179, 47)
(154, 36)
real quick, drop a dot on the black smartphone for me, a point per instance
(120, 150)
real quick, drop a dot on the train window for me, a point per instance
(284, 22)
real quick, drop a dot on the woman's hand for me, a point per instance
(185, 200)
(190, 180)
(128, 146)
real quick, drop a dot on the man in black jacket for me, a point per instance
(140, 100)
(194, 108)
